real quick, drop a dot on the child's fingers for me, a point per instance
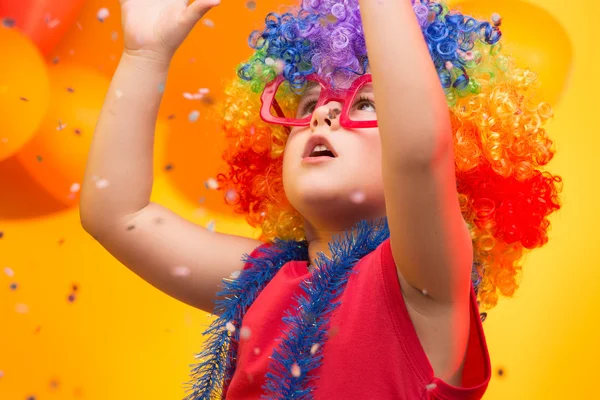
(196, 10)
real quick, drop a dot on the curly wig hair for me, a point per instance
(500, 142)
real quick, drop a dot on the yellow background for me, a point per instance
(123, 339)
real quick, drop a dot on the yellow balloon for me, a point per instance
(533, 37)
(24, 91)
(57, 155)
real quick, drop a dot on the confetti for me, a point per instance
(22, 308)
(208, 22)
(130, 227)
(314, 348)
(71, 298)
(211, 183)
(296, 370)
(193, 116)
(13, 286)
(431, 386)
(496, 19)
(269, 61)
(161, 87)
(483, 316)
(229, 326)
(245, 332)
(235, 274)
(118, 93)
(9, 272)
(449, 65)
(357, 197)
(211, 226)
(8, 22)
(168, 167)
(203, 91)
(75, 187)
(54, 23)
(251, 5)
(232, 197)
(500, 372)
(60, 126)
(181, 271)
(424, 292)
(102, 14)
(256, 351)
(102, 183)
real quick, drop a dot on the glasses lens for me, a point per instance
(295, 105)
(363, 107)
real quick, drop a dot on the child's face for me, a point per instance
(339, 191)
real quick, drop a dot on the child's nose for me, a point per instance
(327, 114)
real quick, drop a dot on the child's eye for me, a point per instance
(365, 104)
(307, 108)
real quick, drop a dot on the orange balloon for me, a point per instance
(24, 91)
(56, 156)
(534, 38)
(45, 22)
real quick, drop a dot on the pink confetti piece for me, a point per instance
(314, 348)
(229, 326)
(357, 197)
(9, 272)
(245, 332)
(181, 271)
(75, 187)
(296, 370)
(22, 308)
(102, 14)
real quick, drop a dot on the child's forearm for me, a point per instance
(119, 172)
(411, 106)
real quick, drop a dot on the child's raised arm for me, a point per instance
(115, 207)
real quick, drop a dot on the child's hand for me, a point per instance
(156, 28)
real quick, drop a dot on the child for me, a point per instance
(386, 220)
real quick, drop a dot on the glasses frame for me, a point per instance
(327, 95)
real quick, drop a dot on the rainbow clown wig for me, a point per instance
(500, 143)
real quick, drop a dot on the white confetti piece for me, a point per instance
(431, 386)
(256, 351)
(229, 326)
(181, 271)
(208, 22)
(211, 226)
(269, 61)
(245, 332)
(235, 274)
(211, 183)
(60, 126)
(357, 197)
(9, 272)
(118, 93)
(296, 370)
(22, 308)
(425, 293)
(102, 14)
(194, 115)
(203, 91)
(75, 187)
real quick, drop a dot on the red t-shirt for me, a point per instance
(373, 351)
